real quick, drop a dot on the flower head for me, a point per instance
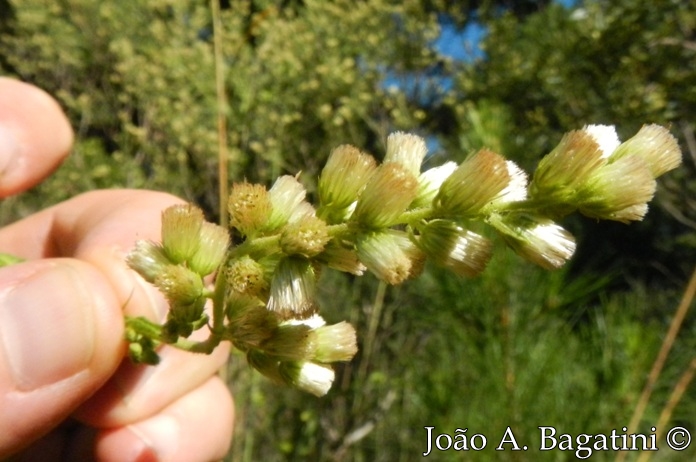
(213, 241)
(656, 146)
(429, 183)
(473, 185)
(387, 195)
(249, 206)
(342, 258)
(605, 136)
(179, 284)
(246, 276)
(344, 176)
(148, 259)
(286, 196)
(406, 149)
(453, 247)
(390, 255)
(181, 224)
(537, 239)
(305, 237)
(568, 166)
(335, 342)
(618, 191)
(308, 376)
(293, 289)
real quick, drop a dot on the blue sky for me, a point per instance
(463, 45)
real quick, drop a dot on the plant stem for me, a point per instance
(223, 158)
(661, 358)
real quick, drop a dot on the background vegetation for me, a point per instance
(516, 347)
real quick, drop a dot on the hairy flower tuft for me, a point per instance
(473, 185)
(181, 224)
(213, 242)
(567, 167)
(148, 259)
(390, 255)
(618, 191)
(343, 178)
(249, 206)
(308, 376)
(537, 239)
(293, 289)
(656, 146)
(305, 237)
(387, 195)
(406, 149)
(429, 183)
(451, 246)
(286, 196)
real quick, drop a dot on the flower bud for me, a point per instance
(180, 285)
(336, 342)
(181, 226)
(656, 146)
(286, 195)
(345, 175)
(516, 189)
(293, 289)
(539, 240)
(342, 258)
(390, 255)
(306, 237)
(246, 276)
(267, 365)
(618, 191)
(605, 136)
(213, 242)
(307, 376)
(291, 342)
(147, 259)
(406, 149)
(567, 167)
(249, 206)
(453, 247)
(386, 196)
(473, 185)
(429, 183)
(249, 322)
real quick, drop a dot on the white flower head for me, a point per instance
(516, 189)
(308, 376)
(537, 239)
(406, 149)
(429, 183)
(605, 136)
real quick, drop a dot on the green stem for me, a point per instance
(7, 259)
(218, 299)
(255, 245)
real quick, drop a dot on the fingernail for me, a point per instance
(46, 327)
(160, 436)
(9, 150)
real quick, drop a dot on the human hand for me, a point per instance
(65, 391)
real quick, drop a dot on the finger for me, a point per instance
(197, 427)
(60, 340)
(136, 392)
(35, 136)
(100, 227)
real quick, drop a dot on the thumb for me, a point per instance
(60, 340)
(35, 135)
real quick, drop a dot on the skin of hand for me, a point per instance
(66, 392)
